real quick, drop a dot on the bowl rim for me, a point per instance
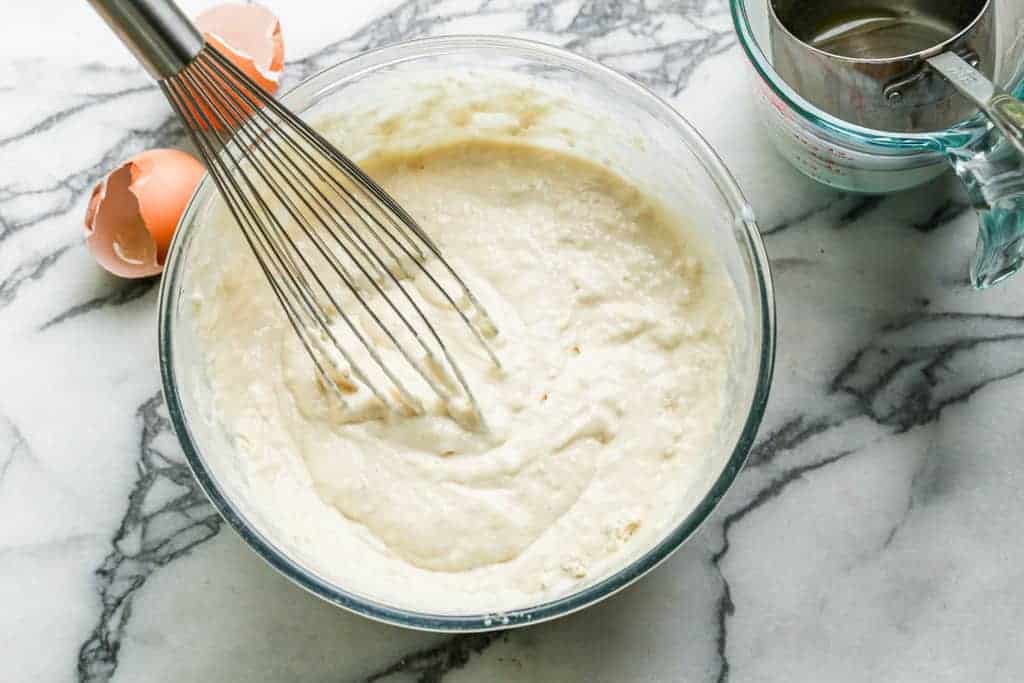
(592, 593)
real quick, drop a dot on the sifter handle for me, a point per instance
(156, 31)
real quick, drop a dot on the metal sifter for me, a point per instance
(909, 66)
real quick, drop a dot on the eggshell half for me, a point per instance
(248, 35)
(134, 211)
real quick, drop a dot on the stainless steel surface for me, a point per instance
(864, 60)
(318, 226)
(1006, 112)
(156, 31)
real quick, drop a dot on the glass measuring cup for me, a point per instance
(858, 159)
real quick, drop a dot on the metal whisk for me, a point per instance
(320, 228)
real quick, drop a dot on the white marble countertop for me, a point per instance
(873, 536)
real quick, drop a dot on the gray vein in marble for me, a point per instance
(69, 190)
(791, 435)
(13, 442)
(678, 59)
(167, 133)
(48, 546)
(945, 213)
(894, 531)
(806, 215)
(724, 611)
(591, 23)
(857, 207)
(27, 272)
(899, 384)
(904, 385)
(60, 115)
(156, 530)
(929, 481)
(860, 207)
(124, 291)
(726, 607)
(433, 664)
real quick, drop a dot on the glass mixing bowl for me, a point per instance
(612, 119)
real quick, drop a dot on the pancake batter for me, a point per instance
(616, 334)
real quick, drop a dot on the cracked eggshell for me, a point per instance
(248, 35)
(133, 212)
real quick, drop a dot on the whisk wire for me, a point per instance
(370, 188)
(281, 244)
(273, 270)
(322, 247)
(252, 143)
(360, 209)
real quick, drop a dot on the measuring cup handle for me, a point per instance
(993, 173)
(992, 169)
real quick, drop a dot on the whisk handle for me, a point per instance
(156, 31)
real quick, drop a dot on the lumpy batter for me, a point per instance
(616, 334)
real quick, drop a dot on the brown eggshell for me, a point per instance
(134, 211)
(248, 35)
